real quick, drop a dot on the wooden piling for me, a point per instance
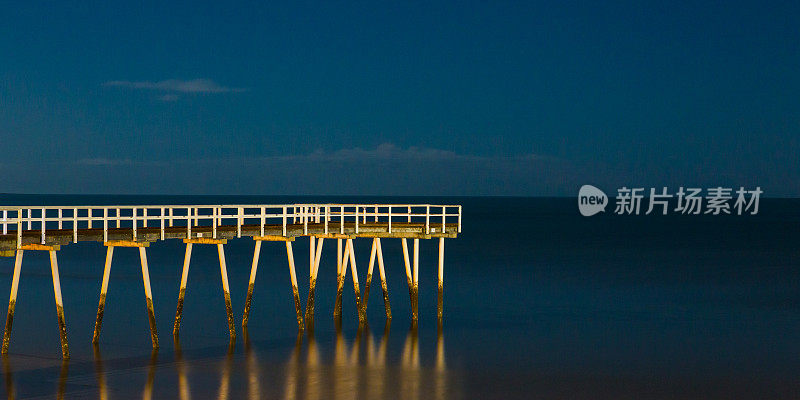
(182, 291)
(223, 269)
(62, 325)
(312, 280)
(440, 302)
(12, 301)
(384, 287)
(415, 290)
(293, 275)
(251, 284)
(354, 272)
(337, 309)
(103, 290)
(148, 296)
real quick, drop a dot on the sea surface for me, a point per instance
(540, 303)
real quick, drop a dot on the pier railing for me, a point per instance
(41, 219)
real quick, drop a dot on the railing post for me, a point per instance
(459, 219)
(427, 220)
(341, 219)
(135, 211)
(444, 218)
(89, 218)
(284, 220)
(304, 210)
(263, 210)
(60, 215)
(356, 220)
(327, 215)
(19, 228)
(188, 222)
(105, 225)
(390, 219)
(171, 215)
(239, 222)
(75, 225)
(44, 223)
(409, 214)
(5, 219)
(214, 222)
(30, 220)
(163, 212)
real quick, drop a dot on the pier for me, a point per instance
(52, 228)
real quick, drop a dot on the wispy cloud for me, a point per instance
(177, 86)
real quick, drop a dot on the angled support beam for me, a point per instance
(62, 325)
(354, 274)
(103, 290)
(384, 287)
(370, 266)
(187, 257)
(12, 301)
(148, 296)
(253, 270)
(223, 269)
(415, 290)
(440, 302)
(409, 276)
(314, 258)
(340, 261)
(293, 276)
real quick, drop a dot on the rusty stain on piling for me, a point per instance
(179, 313)
(386, 300)
(9, 321)
(297, 307)
(247, 302)
(229, 309)
(99, 320)
(62, 330)
(312, 284)
(440, 302)
(414, 302)
(152, 319)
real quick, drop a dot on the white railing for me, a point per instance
(18, 219)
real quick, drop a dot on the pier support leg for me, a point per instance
(337, 309)
(223, 270)
(293, 275)
(372, 252)
(182, 292)
(253, 270)
(409, 275)
(384, 287)
(12, 301)
(62, 325)
(415, 290)
(356, 290)
(149, 297)
(440, 302)
(312, 279)
(337, 313)
(103, 290)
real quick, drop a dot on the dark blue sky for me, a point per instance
(413, 98)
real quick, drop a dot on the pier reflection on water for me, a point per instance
(368, 364)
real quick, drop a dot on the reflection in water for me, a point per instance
(101, 376)
(9, 378)
(314, 369)
(147, 393)
(62, 378)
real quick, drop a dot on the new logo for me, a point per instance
(591, 200)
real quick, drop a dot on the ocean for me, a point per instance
(539, 302)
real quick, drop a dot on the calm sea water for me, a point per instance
(539, 303)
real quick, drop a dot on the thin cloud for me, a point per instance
(177, 86)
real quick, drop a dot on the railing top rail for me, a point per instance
(127, 206)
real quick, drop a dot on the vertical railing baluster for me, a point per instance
(44, 223)
(60, 215)
(263, 217)
(428, 220)
(105, 224)
(133, 218)
(284, 221)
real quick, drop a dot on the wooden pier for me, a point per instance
(51, 228)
